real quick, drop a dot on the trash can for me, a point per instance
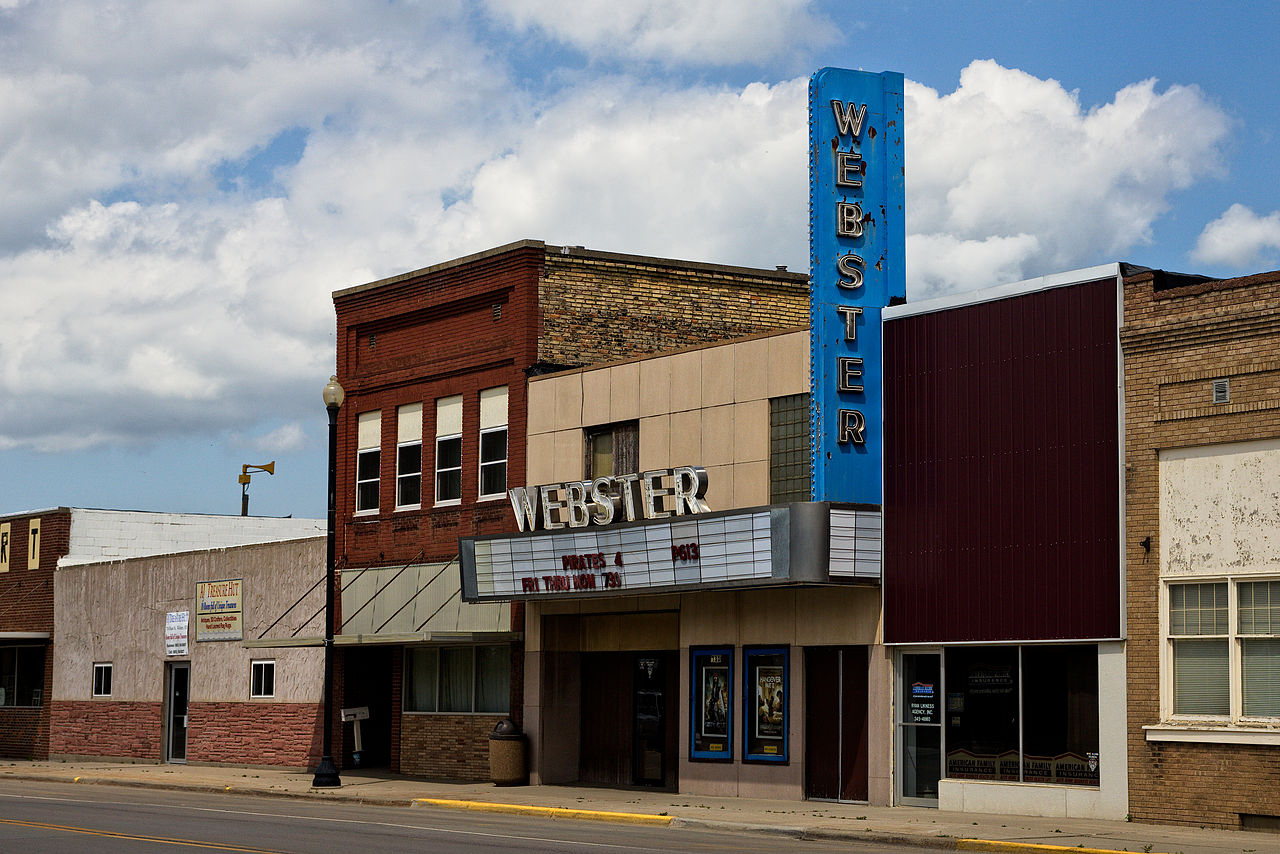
(506, 755)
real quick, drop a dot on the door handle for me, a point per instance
(184, 721)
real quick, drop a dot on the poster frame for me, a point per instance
(702, 661)
(754, 659)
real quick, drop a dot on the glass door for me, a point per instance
(179, 684)
(919, 725)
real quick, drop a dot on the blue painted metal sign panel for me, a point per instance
(857, 263)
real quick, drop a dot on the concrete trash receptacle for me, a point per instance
(507, 755)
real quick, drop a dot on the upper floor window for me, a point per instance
(789, 463)
(449, 450)
(493, 442)
(368, 460)
(409, 456)
(1224, 639)
(613, 449)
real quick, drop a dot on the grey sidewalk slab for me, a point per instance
(813, 819)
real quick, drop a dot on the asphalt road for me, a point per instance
(53, 817)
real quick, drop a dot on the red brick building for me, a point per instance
(30, 545)
(432, 432)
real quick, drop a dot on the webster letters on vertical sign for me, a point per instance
(857, 255)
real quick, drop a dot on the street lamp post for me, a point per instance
(326, 771)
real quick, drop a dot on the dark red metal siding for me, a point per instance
(1002, 517)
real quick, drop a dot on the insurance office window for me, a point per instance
(1202, 637)
(460, 679)
(789, 458)
(493, 442)
(409, 456)
(368, 460)
(449, 450)
(262, 679)
(102, 679)
(21, 675)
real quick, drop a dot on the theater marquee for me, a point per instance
(802, 543)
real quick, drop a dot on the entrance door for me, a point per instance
(835, 723)
(179, 686)
(919, 714)
(629, 732)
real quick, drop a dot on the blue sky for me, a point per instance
(182, 186)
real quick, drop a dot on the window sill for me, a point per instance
(495, 497)
(365, 513)
(1209, 733)
(408, 507)
(459, 714)
(452, 502)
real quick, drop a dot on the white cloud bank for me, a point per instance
(1010, 176)
(142, 301)
(1239, 238)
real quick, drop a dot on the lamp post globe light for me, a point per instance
(326, 772)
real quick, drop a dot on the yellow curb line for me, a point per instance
(549, 812)
(996, 845)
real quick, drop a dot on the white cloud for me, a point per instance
(1239, 238)
(283, 439)
(1007, 157)
(140, 301)
(707, 32)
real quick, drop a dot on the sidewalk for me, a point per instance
(807, 819)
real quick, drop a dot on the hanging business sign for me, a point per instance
(857, 262)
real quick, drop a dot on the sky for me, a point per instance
(184, 185)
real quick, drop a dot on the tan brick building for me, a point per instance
(1202, 548)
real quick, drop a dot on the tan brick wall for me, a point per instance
(1176, 342)
(598, 307)
(446, 747)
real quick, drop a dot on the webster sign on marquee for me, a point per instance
(857, 257)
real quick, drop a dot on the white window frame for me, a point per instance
(406, 418)
(102, 667)
(1235, 718)
(447, 431)
(369, 441)
(254, 666)
(493, 420)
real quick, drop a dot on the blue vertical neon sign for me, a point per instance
(857, 260)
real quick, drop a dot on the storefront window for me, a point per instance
(1060, 714)
(982, 713)
(21, 675)
(1026, 714)
(458, 679)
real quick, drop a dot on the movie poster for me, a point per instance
(766, 704)
(712, 716)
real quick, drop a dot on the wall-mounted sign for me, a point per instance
(220, 610)
(4, 546)
(766, 696)
(857, 265)
(805, 543)
(628, 497)
(711, 699)
(175, 632)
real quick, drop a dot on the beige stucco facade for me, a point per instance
(709, 407)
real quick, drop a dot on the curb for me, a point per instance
(1027, 847)
(548, 812)
(310, 794)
